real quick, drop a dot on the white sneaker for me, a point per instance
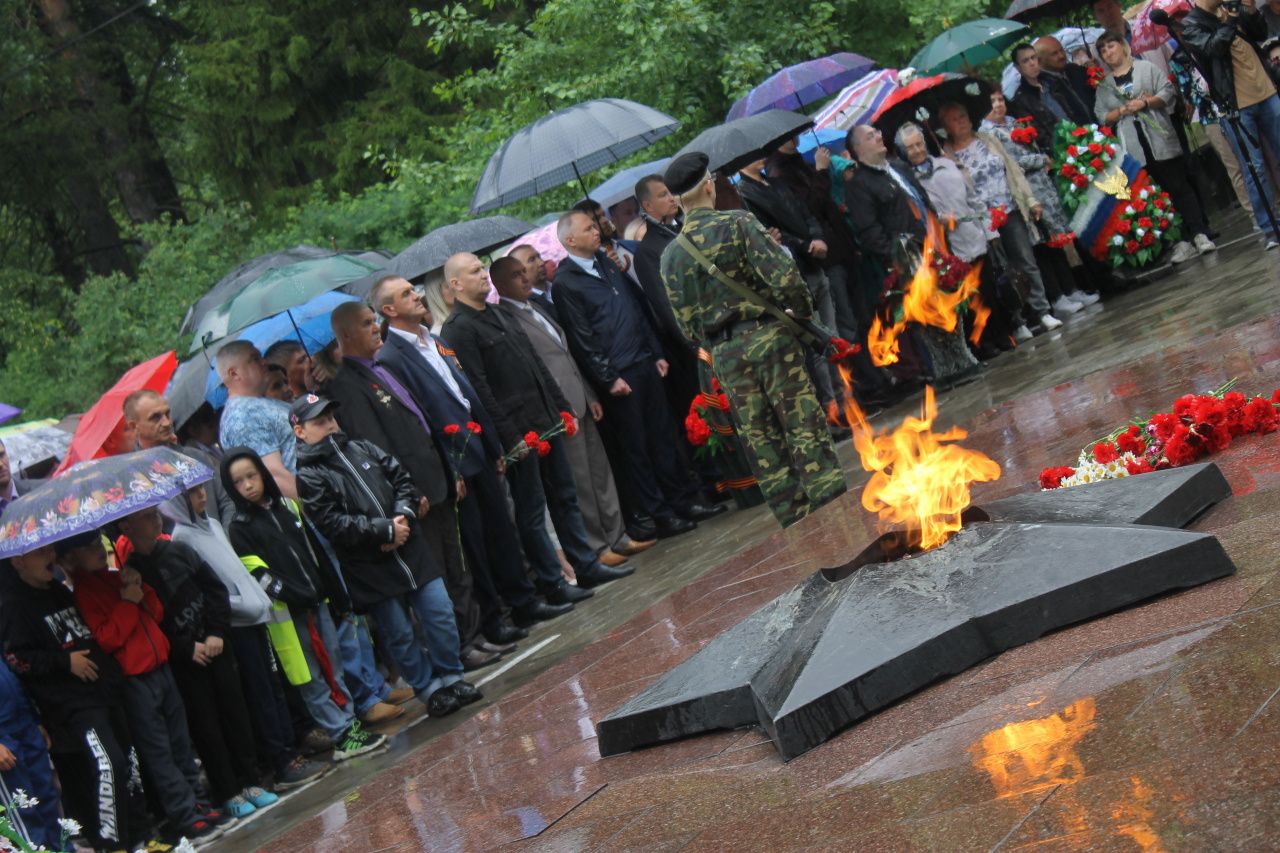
(1204, 244)
(1063, 305)
(1183, 251)
(1050, 322)
(1022, 334)
(1085, 298)
(1272, 242)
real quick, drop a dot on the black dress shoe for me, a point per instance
(640, 532)
(600, 573)
(443, 703)
(505, 634)
(672, 526)
(465, 693)
(566, 593)
(537, 611)
(473, 659)
(503, 649)
(701, 512)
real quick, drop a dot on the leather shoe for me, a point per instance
(381, 713)
(473, 659)
(673, 526)
(505, 634)
(596, 575)
(701, 512)
(641, 527)
(537, 611)
(612, 558)
(399, 695)
(443, 703)
(630, 547)
(567, 593)
(465, 693)
(504, 649)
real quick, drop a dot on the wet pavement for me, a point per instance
(1153, 728)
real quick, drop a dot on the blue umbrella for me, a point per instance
(823, 136)
(797, 85)
(95, 493)
(308, 324)
(622, 186)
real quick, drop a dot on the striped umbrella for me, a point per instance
(798, 85)
(859, 102)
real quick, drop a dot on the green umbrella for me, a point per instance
(276, 291)
(967, 46)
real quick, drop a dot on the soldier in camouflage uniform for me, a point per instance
(760, 363)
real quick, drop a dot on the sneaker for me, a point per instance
(1085, 298)
(1204, 245)
(1022, 334)
(1183, 251)
(200, 832)
(217, 817)
(1050, 322)
(1272, 242)
(299, 772)
(315, 742)
(382, 712)
(239, 807)
(356, 741)
(260, 797)
(1063, 305)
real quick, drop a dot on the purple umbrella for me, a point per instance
(8, 413)
(794, 87)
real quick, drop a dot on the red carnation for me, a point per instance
(1067, 170)
(452, 429)
(570, 424)
(1164, 223)
(1095, 148)
(1072, 151)
(1051, 478)
(1138, 466)
(1160, 203)
(1144, 222)
(531, 438)
(1182, 405)
(1234, 402)
(842, 349)
(998, 217)
(1183, 447)
(1208, 409)
(474, 427)
(1260, 416)
(1131, 246)
(696, 429)
(1110, 149)
(1139, 205)
(1148, 239)
(1106, 131)
(1131, 441)
(1275, 396)
(543, 448)
(1079, 132)
(1096, 164)
(1164, 425)
(1104, 452)
(1080, 181)
(1123, 226)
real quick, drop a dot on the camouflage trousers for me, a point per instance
(780, 420)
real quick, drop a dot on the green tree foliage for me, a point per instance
(347, 125)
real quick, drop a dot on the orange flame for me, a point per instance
(1038, 753)
(917, 481)
(926, 303)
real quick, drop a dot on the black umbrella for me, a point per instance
(734, 144)
(565, 145)
(920, 99)
(478, 236)
(1031, 10)
(242, 275)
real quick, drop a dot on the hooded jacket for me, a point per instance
(352, 491)
(39, 629)
(196, 604)
(277, 548)
(249, 604)
(129, 632)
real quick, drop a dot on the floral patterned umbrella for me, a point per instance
(94, 493)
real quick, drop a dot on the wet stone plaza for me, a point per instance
(1156, 727)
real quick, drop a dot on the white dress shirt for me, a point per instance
(426, 347)
(537, 315)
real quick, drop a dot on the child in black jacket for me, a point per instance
(363, 501)
(79, 691)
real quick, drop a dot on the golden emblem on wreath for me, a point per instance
(1115, 184)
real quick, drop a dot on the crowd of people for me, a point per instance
(476, 456)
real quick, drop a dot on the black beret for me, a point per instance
(685, 172)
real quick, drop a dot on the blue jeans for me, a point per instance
(315, 693)
(440, 666)
(1261, 123)
(359, 671)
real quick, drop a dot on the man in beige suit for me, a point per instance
(597, 494)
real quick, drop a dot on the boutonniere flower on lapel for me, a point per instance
(383, 397)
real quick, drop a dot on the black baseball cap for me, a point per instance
(308, 406)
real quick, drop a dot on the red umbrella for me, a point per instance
(906, 93)
(106, 418)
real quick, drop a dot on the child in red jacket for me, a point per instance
(124, 615)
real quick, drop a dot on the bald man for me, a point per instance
(522, 397)
(1054, 60)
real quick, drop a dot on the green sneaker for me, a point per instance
(356, 741)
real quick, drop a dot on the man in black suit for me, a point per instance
(374, 405)
(431, 373)
(612, 336)
(536, 269)
(523, 399)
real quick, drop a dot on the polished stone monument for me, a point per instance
(851, 640)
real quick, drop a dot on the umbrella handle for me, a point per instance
(298, 332)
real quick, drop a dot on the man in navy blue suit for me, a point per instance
(614, 339)
(430, 372)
